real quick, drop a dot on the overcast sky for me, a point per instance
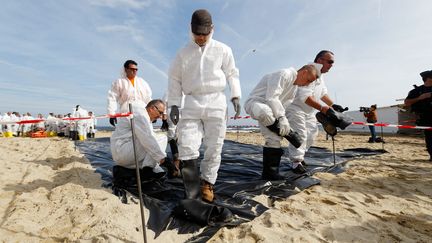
(57, 54)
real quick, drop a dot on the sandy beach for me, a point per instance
(50, 193)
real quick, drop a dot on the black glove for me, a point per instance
(165, 125)
(339, 108)
(174, 114)
(294, 138)
(113, 121)
(237, 106)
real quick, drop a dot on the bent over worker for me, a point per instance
(150, 147)
(267, 103)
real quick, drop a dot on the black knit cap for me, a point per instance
(426, 74)
(201, 22)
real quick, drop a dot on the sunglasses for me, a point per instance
(160, 112)
(328, 61)
(133, 69)
(201, 34)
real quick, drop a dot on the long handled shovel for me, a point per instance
(138, 177)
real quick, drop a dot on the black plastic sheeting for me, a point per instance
(239, 181)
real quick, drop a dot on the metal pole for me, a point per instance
(138, 177)
(382, 138)
(334, 151)
(238, 131)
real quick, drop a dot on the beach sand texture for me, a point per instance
(50, 193)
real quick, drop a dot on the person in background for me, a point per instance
(201, 71)
(61, 126)
(371, 117)
(129, 87)
(81, 125)
(420, 101)
(40, 126)
(91, 125)
(26, 128)
(51, 124)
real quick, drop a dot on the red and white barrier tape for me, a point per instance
(33, 121)
(391, 125)
(360, 124)
(127, 114)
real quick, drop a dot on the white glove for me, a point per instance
(284, 127)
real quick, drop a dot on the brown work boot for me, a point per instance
(207, 194)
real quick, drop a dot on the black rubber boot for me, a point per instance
(329, 127)
(338, 119)
(271, 162)
(333, 119)
(191, 180)
(292, 137)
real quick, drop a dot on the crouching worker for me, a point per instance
(149, 147)
(267, 103)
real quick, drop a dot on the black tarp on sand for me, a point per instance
(238, 183)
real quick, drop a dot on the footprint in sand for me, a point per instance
(328, 201)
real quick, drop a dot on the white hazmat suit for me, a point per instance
(123, 92)
(268, 100)
(302, 117)
(201, 75)
(150, 147)
(81, 125)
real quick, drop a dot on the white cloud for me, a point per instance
(132, 4)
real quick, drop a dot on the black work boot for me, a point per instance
(271, 162)
(191, 180)
(292, 137)
(300, 169)
(328, 127)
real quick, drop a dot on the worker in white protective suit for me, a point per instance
(129, 87)
(91, 125)
(267, 103)
(1, 125)
(15, 117)
(150, 147)
(27, 126)
(301, 113)
(51, 125)
(81, 124)
(200, 72)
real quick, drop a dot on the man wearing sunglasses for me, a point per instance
(201, 71)
(150, 147)
(267, 104)
(301, 113)
(129, 87)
